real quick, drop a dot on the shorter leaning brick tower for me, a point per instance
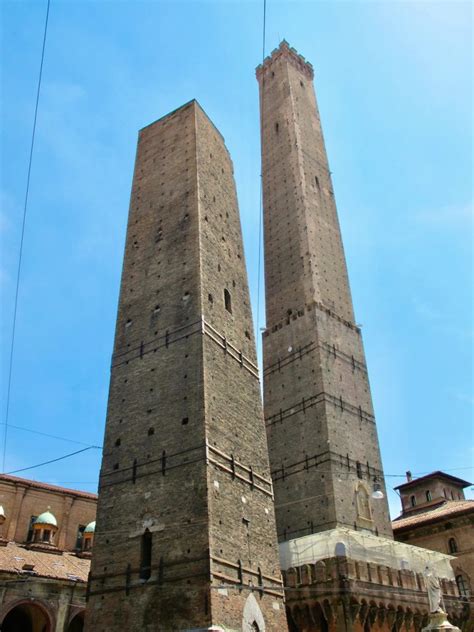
(185, 536)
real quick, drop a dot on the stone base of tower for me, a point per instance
(348, 581)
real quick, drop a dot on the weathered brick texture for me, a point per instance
(322, 437)
(185, 453)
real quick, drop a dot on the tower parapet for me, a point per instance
(289, 53)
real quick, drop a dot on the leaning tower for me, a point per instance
(185, 536)
(322, 436)
(343, 571)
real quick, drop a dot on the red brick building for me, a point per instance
(46, 533)
(436, 515)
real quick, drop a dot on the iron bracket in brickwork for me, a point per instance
(128, 577)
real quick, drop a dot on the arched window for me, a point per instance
(463, 586)
(428, 495)
(145, 556)
(228, 301)
(452, 545)
(413, 501)
(254, 627)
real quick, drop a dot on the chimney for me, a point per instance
(409, 476)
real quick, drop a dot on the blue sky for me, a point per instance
(394, 85)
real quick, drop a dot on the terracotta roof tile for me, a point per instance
(67, 566)
(448, 509)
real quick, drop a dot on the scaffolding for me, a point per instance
(363, 547)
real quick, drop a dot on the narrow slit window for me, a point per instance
(277, 127)
(228, 301)
(428, 495)
(452, 545)
(413, 501)
(145, 556)
(316, 182)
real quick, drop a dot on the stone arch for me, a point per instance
(252, 618)
(320, 619)
(76, 621)
(28, 615)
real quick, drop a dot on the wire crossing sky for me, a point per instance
(394, 87)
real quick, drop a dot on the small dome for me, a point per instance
(90, 527)
(46, 518)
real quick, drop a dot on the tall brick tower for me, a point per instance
(185, 535)
(342, 570)
(324, 451)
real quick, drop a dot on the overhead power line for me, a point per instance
(51, 436)
(260, 213)
(20, 254)
(60, 458)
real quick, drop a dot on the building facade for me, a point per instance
(342, 568)
(46, 536)
(186, 536)
(436, 515)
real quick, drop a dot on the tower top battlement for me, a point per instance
(290, 54)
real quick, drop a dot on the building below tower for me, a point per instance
(46, 538)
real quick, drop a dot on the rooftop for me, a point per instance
(15, 558)
(25, 482)
(449, 509)
(438, 474)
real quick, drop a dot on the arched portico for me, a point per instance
(76, 624)
(27, 616)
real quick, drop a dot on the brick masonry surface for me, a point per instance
(322, 436)
(185, 518)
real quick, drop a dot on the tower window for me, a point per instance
(428, 495)
(277, 127)
(452, 545)
(151, 431)
(413, 501)
(145, 555)
(359, 469)
(228, 301)
(462, 586)
(210, 298)
(316, 182)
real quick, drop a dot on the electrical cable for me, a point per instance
(60, 458)
(20, 255)
(51, 436)
(260, 214)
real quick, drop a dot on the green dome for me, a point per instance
(90, 527)
(46, 518)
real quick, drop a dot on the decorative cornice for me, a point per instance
(291, 55)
